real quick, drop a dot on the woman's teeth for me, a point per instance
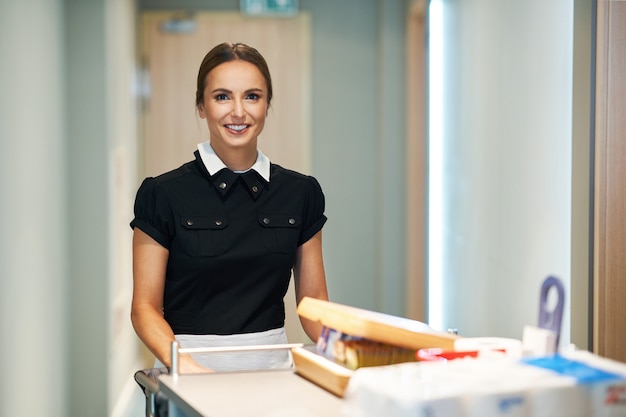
(236, 127)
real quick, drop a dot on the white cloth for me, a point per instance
(214, 164)
(239, 361)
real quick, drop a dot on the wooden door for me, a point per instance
(172, 47)
(609, 274)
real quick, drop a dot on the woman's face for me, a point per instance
(235, 105)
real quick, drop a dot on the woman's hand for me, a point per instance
(186, 365)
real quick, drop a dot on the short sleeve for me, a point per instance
(153, 213)
(314, 206)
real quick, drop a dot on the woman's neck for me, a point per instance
(237, 159)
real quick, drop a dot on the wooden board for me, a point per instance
(321, 371)
(379, 327)
(371, 325)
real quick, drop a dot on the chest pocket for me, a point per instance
(205, 236)
(280, 232)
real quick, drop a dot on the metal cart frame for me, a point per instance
(148, 379)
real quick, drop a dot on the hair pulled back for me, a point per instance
(226, 52)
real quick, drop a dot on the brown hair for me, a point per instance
(226, 52)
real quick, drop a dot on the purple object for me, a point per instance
(551, 319)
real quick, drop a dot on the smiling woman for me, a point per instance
(235, 106)
(216, 240)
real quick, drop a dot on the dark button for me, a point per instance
(255, 188)
(266, 220)
(189, 222)
(218, 222)
(292, 221)
(222, 185)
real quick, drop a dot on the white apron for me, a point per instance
(239, 361)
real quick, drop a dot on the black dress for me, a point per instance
(232, 240)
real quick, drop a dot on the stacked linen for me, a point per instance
(604, 380)
(409, 389)
(489, 387)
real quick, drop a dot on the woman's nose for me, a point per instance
(238, 108)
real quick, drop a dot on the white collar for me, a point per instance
(214, 164)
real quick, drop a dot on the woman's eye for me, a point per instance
(252, 96)
(221, 97)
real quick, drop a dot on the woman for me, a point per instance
(215, 241)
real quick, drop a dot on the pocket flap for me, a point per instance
(199, 223)
(279, 220)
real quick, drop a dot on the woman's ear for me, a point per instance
(201, 111)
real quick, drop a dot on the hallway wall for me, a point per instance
(33, 249)
(101, 154)
(67, 137)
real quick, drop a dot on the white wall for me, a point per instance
(358, 134)
(67, 177)
(123, 348)
(32, 210)
(101, 142)
(507, 147)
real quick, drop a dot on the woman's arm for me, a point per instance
(149, 266)
(310, 279)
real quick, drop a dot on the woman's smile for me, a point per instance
(237, 128)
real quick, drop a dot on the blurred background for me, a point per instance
(454, 142)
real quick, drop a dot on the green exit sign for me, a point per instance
(269, 7)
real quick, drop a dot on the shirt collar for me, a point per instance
(214, 164)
